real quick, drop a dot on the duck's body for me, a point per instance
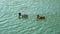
(23, 15)
(40, 17)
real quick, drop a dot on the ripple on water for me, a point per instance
(11, 24)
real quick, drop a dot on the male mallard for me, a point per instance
(23, 15)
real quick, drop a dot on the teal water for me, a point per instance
(11, 24)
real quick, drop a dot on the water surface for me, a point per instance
(11, 24)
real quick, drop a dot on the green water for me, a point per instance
(11, 24)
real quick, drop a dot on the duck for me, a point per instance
(40, 17)
(23, 15)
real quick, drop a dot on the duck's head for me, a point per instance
(37, 15)
(19, 14)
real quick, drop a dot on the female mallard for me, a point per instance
(40, 17)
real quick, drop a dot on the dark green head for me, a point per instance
(37, 15)
(19, 14)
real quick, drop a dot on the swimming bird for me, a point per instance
(40, 17)
(23, 15)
